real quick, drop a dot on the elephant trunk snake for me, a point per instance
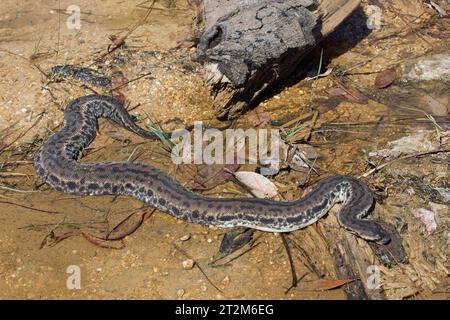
(56, 164)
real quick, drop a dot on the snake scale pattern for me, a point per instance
(56, 164)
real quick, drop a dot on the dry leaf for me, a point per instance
(385, 78)
(116, 42)
(349, 94)
(100, 242)
(325, 105)
(129, 225)
(260, 186)
(328, 284)
(118, 80)
(420, 141)
(212, 175)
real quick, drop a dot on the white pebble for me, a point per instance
(185, 238)
(188, 264)
(180, 293)
(427, 217)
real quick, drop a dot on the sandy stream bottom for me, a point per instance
(150, 266)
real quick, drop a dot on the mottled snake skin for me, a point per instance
(56, 164)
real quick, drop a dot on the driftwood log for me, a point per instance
(249, 46)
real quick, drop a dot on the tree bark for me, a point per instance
(249, 46)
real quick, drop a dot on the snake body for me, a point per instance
(56, 164)
(80, 73)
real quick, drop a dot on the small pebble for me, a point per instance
(180, 293)
(188, 264)
(185, 238)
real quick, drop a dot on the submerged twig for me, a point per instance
(129, 81)
(291, 263)
(16, 190)
(197, 265)
(30, 208)
(381, 166)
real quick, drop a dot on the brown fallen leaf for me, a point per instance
(51, 240)
(100, 242)
(116, 42)
(349, 94)
(129, 225)
(118, 80)
(212, 175)
(326, 284)
(385, 78)
(325, 105)
(114, 240)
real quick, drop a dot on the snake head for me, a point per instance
(381, 236)
(385, 239)
(375, 233)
